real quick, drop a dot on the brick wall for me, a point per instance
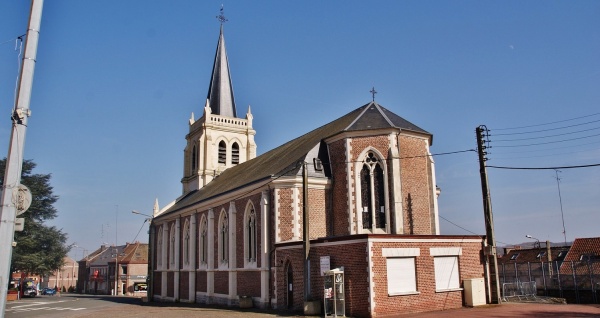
(317, 199)
(157, 283)
(337, 152)
(222, 282)
(201, 281)
(184, 285)
(352, 253)
(248, 283)
(416, 190)
(170, 284)
(470, 266)
(286, 217)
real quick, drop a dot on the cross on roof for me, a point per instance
(221, 16)
(373, 92)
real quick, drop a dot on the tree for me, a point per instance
(40, 248)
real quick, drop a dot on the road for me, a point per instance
(88, 306)
(64, 306)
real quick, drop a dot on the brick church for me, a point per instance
(357, 195)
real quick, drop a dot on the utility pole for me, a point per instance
(490, 251)
(14, 161)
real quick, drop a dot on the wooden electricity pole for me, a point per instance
(490, 251)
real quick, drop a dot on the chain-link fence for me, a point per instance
(577, 282)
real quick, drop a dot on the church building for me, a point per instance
(356, 196)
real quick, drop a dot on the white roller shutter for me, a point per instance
(401, 275)
(446, 272)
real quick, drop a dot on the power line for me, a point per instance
(545, 168)
(551, 123)
(549, 129)
(548, 136)
(460, 227)
(547, 143)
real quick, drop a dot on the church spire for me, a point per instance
(220, 92)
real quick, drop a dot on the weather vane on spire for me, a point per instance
(373, 92)
(221, 16)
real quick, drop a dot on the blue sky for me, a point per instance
(116, 81)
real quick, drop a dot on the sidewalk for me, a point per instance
(514, 310)
(492, 311)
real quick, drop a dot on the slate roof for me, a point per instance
(286, 159)
(220, 91)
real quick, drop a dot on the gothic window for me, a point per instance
(222, 152)
(235, 153)
(203, 241)
(194, 159)
(172, 246)
(372, 192)
(186, 244)
(159, 245)
(250, 235)
(223, 238)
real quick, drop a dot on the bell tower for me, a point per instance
(219, 139)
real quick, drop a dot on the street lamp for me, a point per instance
(150, 271)
(537, 242)
(150, 217)
(86, 274)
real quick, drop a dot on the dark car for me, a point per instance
(29, 292)
(49, 291)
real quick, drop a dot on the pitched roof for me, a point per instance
(584, 247)
(530, 255)
(134, 253)
(220, 92)
(286, 159)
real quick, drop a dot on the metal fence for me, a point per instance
(577, 282)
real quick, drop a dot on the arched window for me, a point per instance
(235, 154)
(372, 193)
(194, 159)
(223, 238)
(186, 243)
(250, 235)
(222, 152)
(172, 246)
(159, 245)
(203, 241)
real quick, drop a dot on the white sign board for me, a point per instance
(325, 264)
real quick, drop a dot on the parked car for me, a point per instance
(29, 292)
(48, 291)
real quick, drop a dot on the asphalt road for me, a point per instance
(88, 306)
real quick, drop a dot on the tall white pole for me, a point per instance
(14, 161)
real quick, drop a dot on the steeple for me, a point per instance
(218, 140)
(220, 93)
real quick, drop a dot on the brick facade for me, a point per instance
(275, 276)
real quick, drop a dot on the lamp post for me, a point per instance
(86, 274)
(150, 271)
(537, 242)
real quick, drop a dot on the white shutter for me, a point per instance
(446, 272)
(401, 276)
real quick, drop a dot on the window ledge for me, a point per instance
(447, 290)
(404, 293)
